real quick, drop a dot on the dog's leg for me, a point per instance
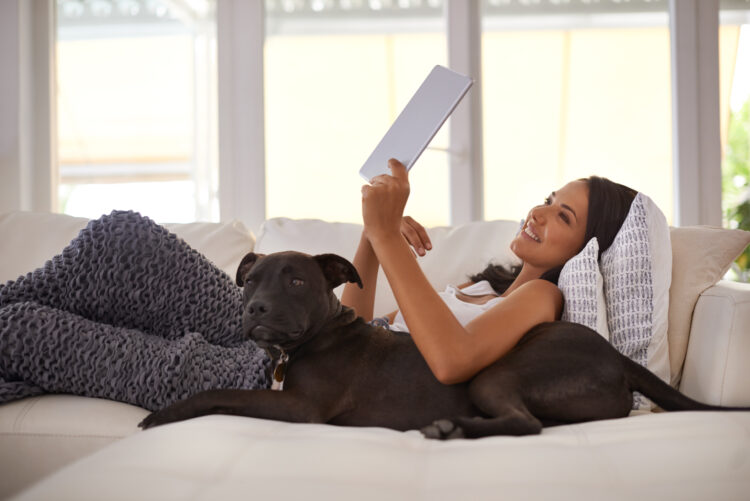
(513, 421)
(495, 393)
(264, 404)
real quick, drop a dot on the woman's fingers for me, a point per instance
(416, 235)
(384, 199)
(398, 170)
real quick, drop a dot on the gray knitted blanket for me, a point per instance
(128, 312)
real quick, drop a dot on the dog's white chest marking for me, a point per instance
(279, 372)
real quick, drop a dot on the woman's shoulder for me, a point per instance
(542, 292)
(542, 286)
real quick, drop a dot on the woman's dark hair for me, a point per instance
(609, 203)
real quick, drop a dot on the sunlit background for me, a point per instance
(567, 92)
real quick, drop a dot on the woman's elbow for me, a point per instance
(448, 372)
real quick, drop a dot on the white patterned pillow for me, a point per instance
(582, 287)
(637, 271)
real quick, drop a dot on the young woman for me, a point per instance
(499, 307)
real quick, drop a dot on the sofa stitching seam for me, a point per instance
(729, 297)
(59, 435)
(24, 412)
(726, 358)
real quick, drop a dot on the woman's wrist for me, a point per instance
(380, 236)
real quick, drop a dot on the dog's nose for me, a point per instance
(257, 308)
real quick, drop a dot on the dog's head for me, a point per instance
(288, 296)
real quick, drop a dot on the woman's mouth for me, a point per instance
(527, 231)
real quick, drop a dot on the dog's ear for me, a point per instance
(337, 270)
(247, 262)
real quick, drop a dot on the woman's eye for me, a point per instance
(296, 282)
(565, 217)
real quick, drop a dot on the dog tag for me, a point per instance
(279, 371)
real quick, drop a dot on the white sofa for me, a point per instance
(69, 447)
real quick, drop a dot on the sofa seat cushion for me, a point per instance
(64, 427)
(681, 455)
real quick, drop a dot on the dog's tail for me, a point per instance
(646, 382)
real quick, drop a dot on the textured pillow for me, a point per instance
(637, 271)
(701, 256)
(581, 284)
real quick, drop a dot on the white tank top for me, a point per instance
(463, 311)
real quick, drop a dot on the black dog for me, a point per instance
(338, 369)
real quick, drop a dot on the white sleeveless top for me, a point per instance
(463, 311)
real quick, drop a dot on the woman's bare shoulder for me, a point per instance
(541, 293)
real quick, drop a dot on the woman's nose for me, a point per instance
(537, 214)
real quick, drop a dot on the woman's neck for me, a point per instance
(527, 273)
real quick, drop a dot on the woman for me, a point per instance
(552, 234)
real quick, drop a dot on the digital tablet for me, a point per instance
(419, 121)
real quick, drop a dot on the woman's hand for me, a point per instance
(383, 202)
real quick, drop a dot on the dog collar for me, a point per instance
(279, 371)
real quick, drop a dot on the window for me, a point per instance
(336, 76)
(568, 133)
(734, 78)
(572, 89)
(136, 87)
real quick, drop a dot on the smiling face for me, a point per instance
(554, 231)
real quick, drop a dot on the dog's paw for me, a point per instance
(443, 429)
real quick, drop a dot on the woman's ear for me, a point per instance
(337, 270)
(244, 268)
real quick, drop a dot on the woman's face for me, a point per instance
(554, 231)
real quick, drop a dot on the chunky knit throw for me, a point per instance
(128, 312)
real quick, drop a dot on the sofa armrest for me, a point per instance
(717, 365)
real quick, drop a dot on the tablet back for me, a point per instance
(419, 121)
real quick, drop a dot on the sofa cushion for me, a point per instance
(669, 456)
(637, 273)
(36, 237)
(39, 435)
(457, 252)
(716, 369)
(701, 256)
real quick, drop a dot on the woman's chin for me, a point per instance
(516, 249)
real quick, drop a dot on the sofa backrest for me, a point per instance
(28, 240)
(701, 254)
(458, 252)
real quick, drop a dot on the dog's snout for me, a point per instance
(258, 308)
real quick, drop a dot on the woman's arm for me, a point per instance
(362, 300)
(453, 352)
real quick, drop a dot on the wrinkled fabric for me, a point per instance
(129, 312)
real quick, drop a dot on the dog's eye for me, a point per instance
(296, 282)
